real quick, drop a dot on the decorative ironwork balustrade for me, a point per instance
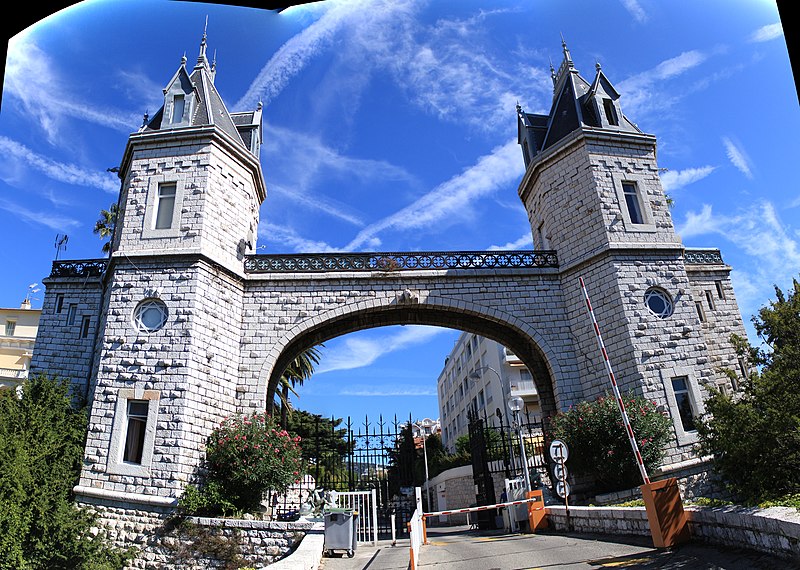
(81, 268)
(416, 261)
(703, 257)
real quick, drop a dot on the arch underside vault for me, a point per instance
(506, 332)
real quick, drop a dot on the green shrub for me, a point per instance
(599, 446)
(41, 447)
(248, 456)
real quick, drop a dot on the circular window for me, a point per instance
(659, 302)
(150, 315)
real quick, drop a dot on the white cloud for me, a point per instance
(453, 198)
(59, 171)
(359, 351)
(52, 221)
(757, 231)
(33, 80)
(291, 240)
(635, 10)
(387, 392)
(525, 240)
(737, 156)
(673, 180)
(767, 33)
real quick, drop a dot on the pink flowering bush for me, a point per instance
(248, 456)
(598, 443)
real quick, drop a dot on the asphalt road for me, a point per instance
(459, 548)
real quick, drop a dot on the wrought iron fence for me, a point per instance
(398, 261)
(703, 257)
(79, 268)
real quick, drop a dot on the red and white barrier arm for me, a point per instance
(620, 404)
(482, 508)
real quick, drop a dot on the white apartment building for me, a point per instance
(17, 336)
(481, 374)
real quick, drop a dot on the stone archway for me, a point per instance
(525, 341)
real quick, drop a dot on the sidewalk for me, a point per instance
(383, 556)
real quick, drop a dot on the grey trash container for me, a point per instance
(340, 531)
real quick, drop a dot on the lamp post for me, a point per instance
(515, 404)
(425, 455)
(475, 375)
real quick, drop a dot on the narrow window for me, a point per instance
(611, 113)
(700, 313)
(631, 194)
(73, 310)
(165, 206)
(178, 105)
(10, 327)
(59, 303)
(85, 327)
(710, 300)
(743, 369)
(525, 153)
(680, 387)
(720, 290)
(137, 422)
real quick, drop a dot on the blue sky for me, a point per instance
(390, 125)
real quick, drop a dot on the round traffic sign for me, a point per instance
(562, 489)
(559, 451)
(560, 472)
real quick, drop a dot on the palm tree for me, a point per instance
(104, 226)
(298, 371)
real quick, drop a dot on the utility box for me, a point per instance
(340, 531)
(668, 523)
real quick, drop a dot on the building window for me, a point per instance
(611, 113)
(680, 387)
(137, 427)
(658, 302)
(524, 374)
(165, 206)
(85, 327)
(631, 193)
(710, 300)
(701, 314)
(10, 327)
(71, 313)
(150, 315)
(59, 303)
(178, 105)
(720, 290)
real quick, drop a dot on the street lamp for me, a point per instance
(515, 404)
(425, 455)
(475, 375)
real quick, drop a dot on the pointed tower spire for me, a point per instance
(202, 59)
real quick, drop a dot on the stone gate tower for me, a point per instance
(593, 193)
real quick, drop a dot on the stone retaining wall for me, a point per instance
(774, 531)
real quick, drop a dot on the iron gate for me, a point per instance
(344, 457)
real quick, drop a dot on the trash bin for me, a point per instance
(340, 531)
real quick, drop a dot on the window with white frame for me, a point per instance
(133, 432)
(632, 202)
(683, 400)
(635, 209)
(178, 106)
(165, 206)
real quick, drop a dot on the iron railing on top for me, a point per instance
(79, 268)
(402, 261)
(703, 257)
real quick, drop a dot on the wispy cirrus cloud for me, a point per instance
(672, 180)
(451, 200)
(358, 351)
(32, 79)
(40, 217)
(58, 171)
(524, 240)
(767, 33)
(737, 156)
(757, 231)
(635, 10)
(289, 238)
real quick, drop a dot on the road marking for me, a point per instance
(620, 562)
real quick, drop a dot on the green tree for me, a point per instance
(41, 447)
(754, 434)
(325, 445)
(104, 226)
(298, 371)
(598, 443)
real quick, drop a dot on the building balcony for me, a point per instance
(525, 389)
